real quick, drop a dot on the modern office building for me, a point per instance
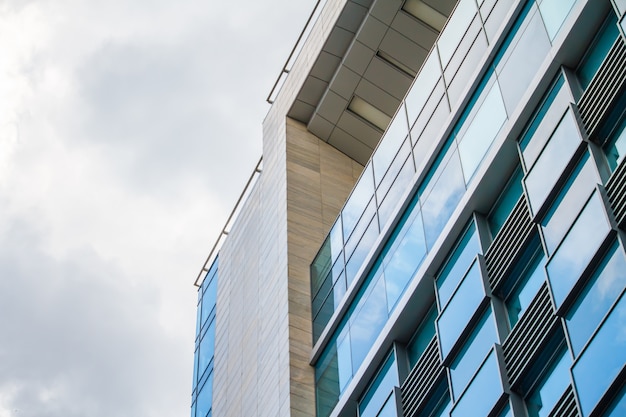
(437, 227)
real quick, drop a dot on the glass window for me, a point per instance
(332, 374)
(615, 148)
(598, 50)
(377, 395)
(389, 145)
(507, 200)
(553, 159)
(422, 337)
(569, 202)
(602, 360)
(207, 347)
(526, 277)
(483, 393)
(404, 256)
(363, 247)
(554, 13)
(459, 260)
(476, 347)
(205, 398)
(438, 403)
(424, 84)
(394, 188)
(551, 104)
(577, 249)
(466, 300)
(481, 131)
(208, 299)
(604, 287)
(438, 205)
(521, 60)
(454, 30)
(358, 201)
(542, 399)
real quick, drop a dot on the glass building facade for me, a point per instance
(478, 267)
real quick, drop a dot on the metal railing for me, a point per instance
(295, 51)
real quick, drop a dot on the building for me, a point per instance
(439, 225)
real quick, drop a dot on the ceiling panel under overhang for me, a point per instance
(373, 53)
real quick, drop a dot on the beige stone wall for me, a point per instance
(319, 179)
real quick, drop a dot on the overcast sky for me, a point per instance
(127, 130)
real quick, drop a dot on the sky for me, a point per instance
(128, 128)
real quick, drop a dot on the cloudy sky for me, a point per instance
(127, 130)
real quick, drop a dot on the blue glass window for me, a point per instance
(604, 287)
(460, 309)
(507, 200)
(454, 30)
(618, 407)
(357, 202)
(390, 144)
(615, 149)
(483, 393)
(207, 347)
(379, 392)
(569, 202)
(602, 360)
(575, 252)
(205, 398)
(526, 279)
(554, 13)
(542, 399)
(422, 337)
(457, 265)
(553, 159)
(474, 351)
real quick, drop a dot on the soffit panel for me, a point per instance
(320, 127)
(378, 97)
(351, 146)
(359, 128)
(387, 77)
(325, 66)
(332, 106)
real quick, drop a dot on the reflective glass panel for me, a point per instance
(604, 287)
(454, 30)
(484, 391)
(424, 84)
(577, 249)
(207, 347)
(390, 143)
(569, 202)
(602, 360)
(618, 408)
(422, 337)
(598, 51)
(615, 149)
(358, 200)
(473, 353)
(481, 131)
(552, 161)
(460, 309)
(457, 264)
(554, 13)
(378, 393)
(205, 398)
(550, 389)
(208, 299)
(507, 200)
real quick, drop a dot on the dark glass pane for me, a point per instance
(507, 200)
(422, 337)
(598, 50)
(618, 408)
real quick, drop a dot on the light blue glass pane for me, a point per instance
(506, 412)
(423, 86)
(569, 202)
(541, 401)
(379, 391)
(529, 282)
(618, 408)
(577, 249)
(606, 284)
(439, 204)
(457, 264)
(193, 410)
(358, 200)
(208, 299)
(359, 229)
(507, 200)
(481, 132)
(538, 118)
(363, 248)
(422, 337)
(602, 360)
(195, 370)
(389, 409)
(207, 347)
(484, 391)
(403, 258)
(344, 360)
(367, 320)
(397, 187)
(598, 51)
(473, 353)
(553, 160)
(460, 309)
(454, 30)
(198, 316)
(332, 373)
(554, 13)
(205, 398)
(390, 143)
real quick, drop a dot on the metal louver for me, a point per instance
(421, 380)
(527, 338)
(605, 86)
(509, 243)
(566, 406)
